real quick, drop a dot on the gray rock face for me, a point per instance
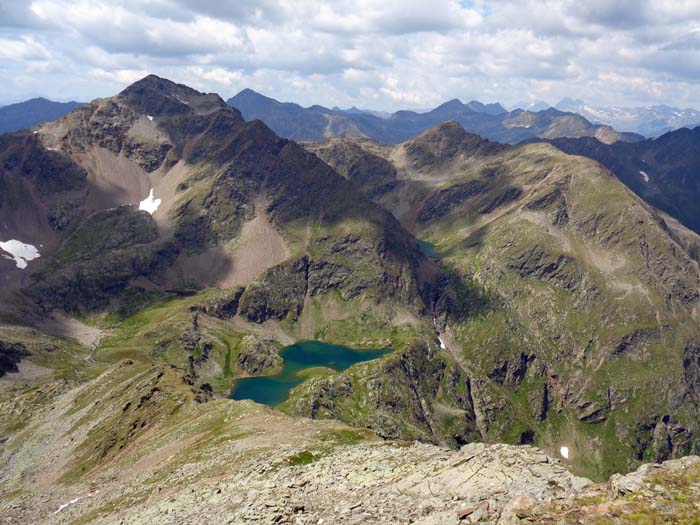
(258, 355)
(225, 305)
(639, 480)
(384, 483)
(278, 295)
(10, 355)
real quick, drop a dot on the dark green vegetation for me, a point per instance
(32, 112)
(490, 121)
(300, 360)
(663, 171)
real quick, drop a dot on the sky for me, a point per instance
(374, 54)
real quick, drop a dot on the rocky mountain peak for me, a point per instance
(250, 101)
(158, 96)
(449, 128)
(503, 278)
(446, 142)
(154, 83)
(455, 103)
(489, 109)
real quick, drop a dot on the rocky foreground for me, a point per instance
(136, 443)
(387, 483)
(135, 446)
(377, 483)
(409, 483)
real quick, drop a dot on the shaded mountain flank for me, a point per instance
(215, 177)
(663, 171)
(578, 325)
(192, 246)
(22, 115)
(487, 120)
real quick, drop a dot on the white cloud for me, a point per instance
(120, 76)
(218, 75)
(386, 54)
(23, 48)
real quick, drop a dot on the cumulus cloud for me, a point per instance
(121, 76)
(24, 48)
(387, 54)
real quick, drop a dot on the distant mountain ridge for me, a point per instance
(650, 121)
(663, 171)
(491, 121)
(537, 105)
(32, 112)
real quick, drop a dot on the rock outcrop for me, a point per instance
(10, 355)
(257, 356)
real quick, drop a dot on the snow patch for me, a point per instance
(442, 343)
(149, 117)
(644, 174)
(150, 203)
(71, 502)
(20, 253)
(564, 451)
(74, 500)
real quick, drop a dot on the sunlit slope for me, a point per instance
(579, 327)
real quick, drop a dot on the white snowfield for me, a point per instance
(645, 175)
(150, 203)
(564, 451)
(19, 252)
(150, 117)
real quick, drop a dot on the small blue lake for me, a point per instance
(273, 390)
(428, 249)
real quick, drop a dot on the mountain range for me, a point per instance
(650, 121)
(159, 245)
(32, 112)
(490, 121)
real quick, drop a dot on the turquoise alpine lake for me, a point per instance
(273, 390)
(428, 249)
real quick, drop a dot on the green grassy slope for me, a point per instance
(584, 333)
